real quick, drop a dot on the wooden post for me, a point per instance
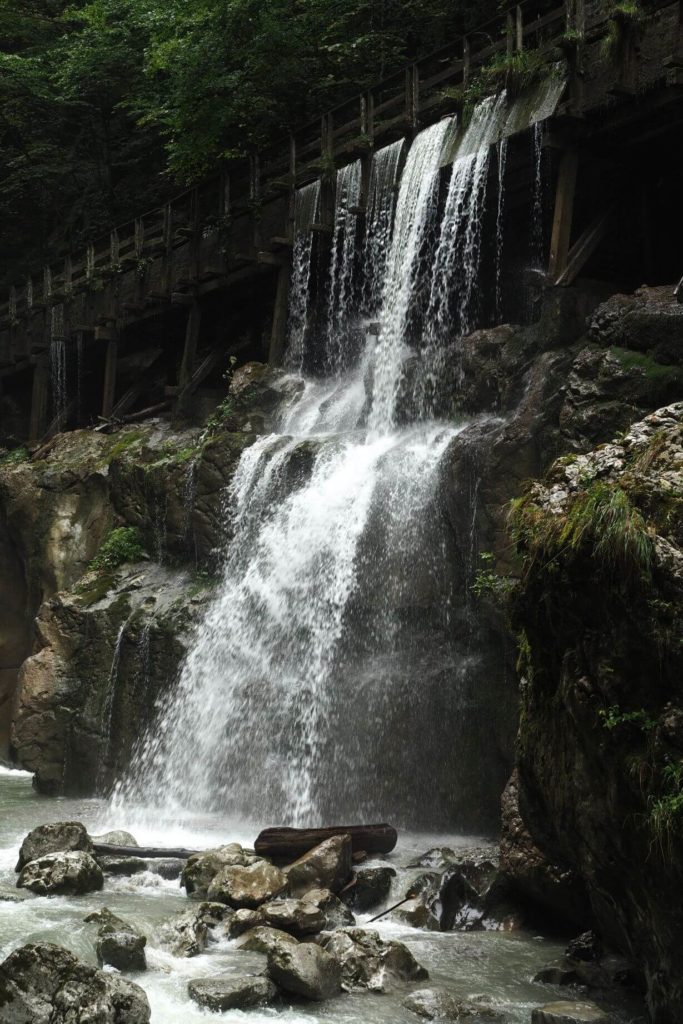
(39, 398)
(564, 211)
(68, 275)
(278, 333)
(114, 248)
(139, 238)
(519, 28)
(255, 195)
(109, 388)
(47, 283)
(466, 61)
(194, 321)
(370, 113)
(509, 34)
(291, 206)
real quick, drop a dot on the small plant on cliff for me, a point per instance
(613, 717)
(515, 71)
(488, 583)
(666, 810)
(625, 17)
(123, 544)
(14, 457)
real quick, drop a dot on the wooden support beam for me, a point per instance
(466, 62)
(192, 329)
(584, 247)
(278, 331)
(39, 400)
(564, 212)
(109, 387)
(519, 28)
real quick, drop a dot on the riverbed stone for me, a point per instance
(367, 961)
(305, 970)
(247, 886)
(188, 934)
(119, 943)
(567, 1012)
(295, 916)
(121, 865)
(168, 868)
(264, 939)
(433, 1004)
(58, 837)
(336, 913)
(117, 837)
(438, 858)
(45, 984)
(372, 888)
(61, 874)
(243, 921)
(201, 868)
(326, 866)
(229, 993)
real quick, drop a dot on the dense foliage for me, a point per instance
(105, 105)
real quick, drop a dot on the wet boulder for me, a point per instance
(437, 1004)
(201, 868)
(243, 921)
(44, 984)
(112, 865)
(188, 934)
(371, 889)
(60, 837)
(119, 944)
(295, 916)
(117, 837)
(265, 940)
(62, 874)
(336, 913)
(367, 961)
(229, 993)
(248, 886)
(168, 868)
(305, 970)
(326, 866)
(438, 859)
(568, 1012)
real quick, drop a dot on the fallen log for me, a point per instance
(145, 852)
(288, 844)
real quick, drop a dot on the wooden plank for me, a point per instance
(564, 212)
(39, 398)
(584, 248)
(146, 852)
(109, 386)
(192, 330)
(278, 331)
(290, 843)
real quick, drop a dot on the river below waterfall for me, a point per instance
(497, 964)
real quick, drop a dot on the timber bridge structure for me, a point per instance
(150, 315)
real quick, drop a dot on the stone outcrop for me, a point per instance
(61, 874)
(119, 944)
(600, 748)
(44, 984)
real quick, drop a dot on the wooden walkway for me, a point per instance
(239, 224)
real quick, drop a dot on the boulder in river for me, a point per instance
(188, 933)
(230, 993)
(119, 944)
(113, 865)
(336, 913)
(243, 921)
(326, 866)
(437, 1004)
(247, 886)
(264, 940)
(372, 888)
(59, 837)
(201, 868)
(566, 1012)
(295, 916)
(43, 983)
(305, 970)
(62, 874)
(367, 961)
(118, 837)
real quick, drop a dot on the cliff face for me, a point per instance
(599, 620)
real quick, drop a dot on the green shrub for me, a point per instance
(13, 458)
(123, 544)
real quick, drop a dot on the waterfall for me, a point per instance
(189, 499)
(110, 701)
(502, 164)
(342, 279)
(416, 201)
(537, 200)
(336, 649)
(379, 222)
(306, 206)
(58, 360)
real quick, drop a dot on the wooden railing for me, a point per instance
(416, 95)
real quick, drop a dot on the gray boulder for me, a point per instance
(44, 984)
(367, 961)
(169, 868)
(243, 921)
(247, 886)
(437, 1004)
(189, 933)
(113, 865)
(336, 913)
(326, 866)
(118, 837)
(60, 837)
(438, 858)
(265, 940)
(61, 874)
(201, 868)
(566, 1012)
(305, 970)
(295, 916)
(372, 888)
(220, 994)
(119, 943)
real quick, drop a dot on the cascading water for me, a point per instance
(58, 360)
(342, 280)
(334, 652)
(502, 165)
(381, 206)
(306, 205)
(108, 713)
(537, 201)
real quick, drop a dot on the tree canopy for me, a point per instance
(106, 106)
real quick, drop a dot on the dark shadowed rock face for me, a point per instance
(44, 984)
(599, 614)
